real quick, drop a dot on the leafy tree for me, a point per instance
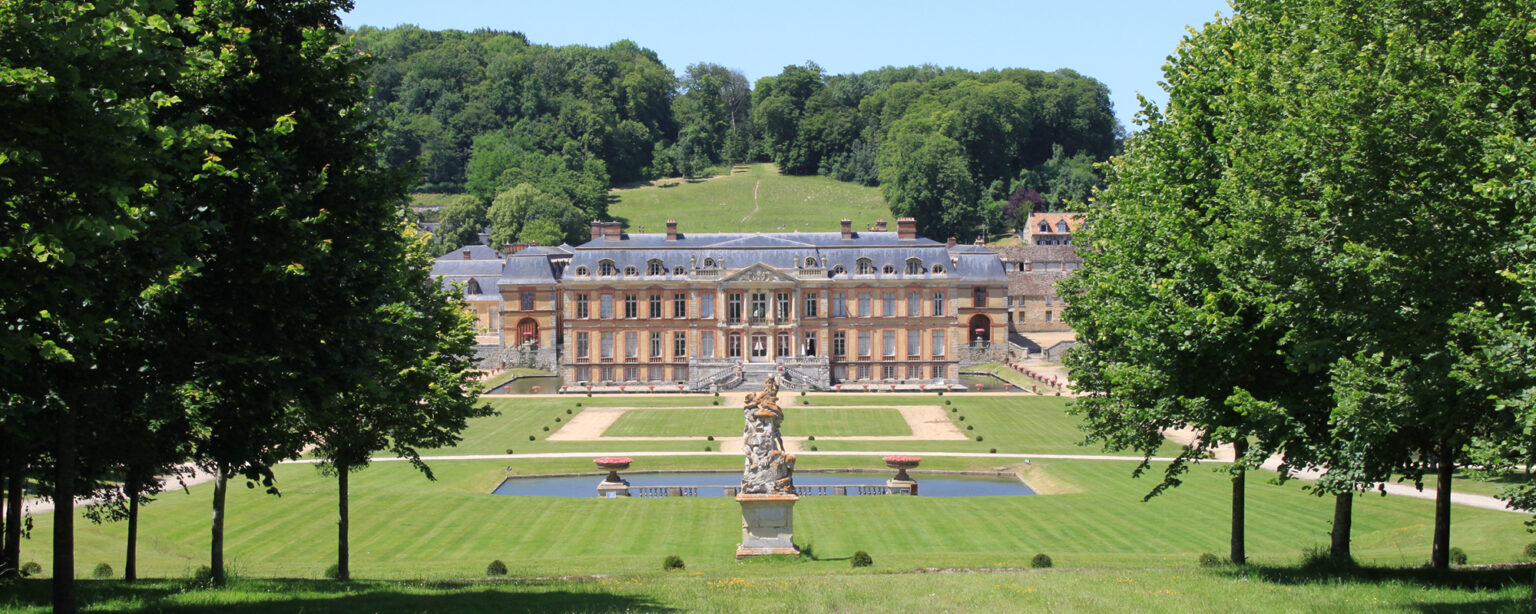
(541, 231)
(925, 178)
(461, 221)
(524, 204)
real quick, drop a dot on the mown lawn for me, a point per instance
(824, 422)
(783, 203)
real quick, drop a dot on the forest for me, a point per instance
(530, 137)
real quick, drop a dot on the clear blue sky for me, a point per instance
(1122, 43)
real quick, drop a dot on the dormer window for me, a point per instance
(839, 270)
(866, 266)
(654, 267)
(678, 270)
(810, 263)
(1045, 226)
(472, 288)
(605, 268)
(888, 270)
(1061, 226)
(914, 266)
(581, 271)
(938, 269)
(709, 263)
(631, 271)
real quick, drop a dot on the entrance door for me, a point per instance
(980, 332)
(528, 332)
(759, 348)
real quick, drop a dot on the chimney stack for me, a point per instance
(951, 244)
(612, 231)
(879, 225)
(597, 230)
(466, 254)
(906, 228)
(847, 228)
(979, 243)
(671, 230)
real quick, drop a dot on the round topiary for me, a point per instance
(1530, 550)
(962, 418)
(509, 450)
(978, 438)
(1209, 560)
(861, 559)
(557, 418)
(710, 438)
(333, 572)
(672, 562)
(568, 412)
(970, 427)
(1040, 561)
(496, 568)
(706, 449)
(810, 438)
(941, 393)
(948, 402)
(546, 429)
(530, 438)
(717, 395)
(102, 571)
(992, 451)
(717, 401)
(1458, 556)
(813, 448)
(954, 410)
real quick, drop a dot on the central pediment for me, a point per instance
(758, 273)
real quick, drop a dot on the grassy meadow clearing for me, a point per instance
(752, 198)
(420, 545)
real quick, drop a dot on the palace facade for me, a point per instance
(717, 311)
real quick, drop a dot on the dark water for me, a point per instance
(982, 383)
(711, 484)
(548, 384)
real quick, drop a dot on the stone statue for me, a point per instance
(769, 469)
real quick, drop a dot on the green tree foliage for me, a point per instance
(524, 212)
(439, 92)
(460, 222)
(499, 163)
(713, 111)
(924, 177)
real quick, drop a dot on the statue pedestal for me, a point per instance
(767, 525)
(900, 487)
(612, 490)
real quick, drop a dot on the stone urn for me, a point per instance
(613, 465)
(901, 464)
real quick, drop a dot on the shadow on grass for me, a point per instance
(296, 595)
(1471, 579)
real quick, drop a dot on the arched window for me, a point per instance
(472, 288)
(1045, 226)
(1061, 226)
(810, 262)
(605, 268)
(839, 270)
(914, 266)
(631, 271)
(581, 271)
(709, 263)
(654, 267)
(938, 269)
(866, 266)
(888, 270)
(678, 270)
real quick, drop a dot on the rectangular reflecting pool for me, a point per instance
(713, 484)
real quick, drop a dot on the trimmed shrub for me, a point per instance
(530, 438)
(813, 448)
(978, 438)
(546, 429)
(706, 449)
(1210, 560)
(496, 568)
(717, 395)
(333, 572)
(509, 450)
(962, 418)
(717, 401)
(589, 395)
(30, 568)
(568, 412)
(557, 418)
(203, 574)
(1040, 561)
(102, 571)
(954, 410)
(810, 438)
(969, 427)
(1458, 556)
(672, 562)
(710, 438)
(802, 393)
(992, 451)
(941, 393)
(947, 401)
(805, 402)
(861, 559)
(1530, 550)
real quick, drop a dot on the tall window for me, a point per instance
(606, 268)
(582, 340)
(810, 306)
(759, 306)
(655, 305)
(914, 371)
(864, 304)
(888, 344)
(631, 374)
(527, 299)
(781, 344)
(679, 305)
(733, 345)
(914, 304)
(759, 346)
(809, 345)
(864, 344)
(733, 307)
(938, 304)
(781, 313)
(606, 339)
(839, 305)
(605, 306)
(888, 304)
(631, 345)
(865, 266)
(914, 343)
(1047, 316)
(581, 306)
(679, 345)
(938, 342)
(839, 343)
(655, 346)
(979, 296)
(707, 306)
(631, 306)
(888, 371)
(707, 344)
(654, 267)
(606, 373)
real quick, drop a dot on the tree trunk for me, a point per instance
(216, 556)
(1239, 476)
(64, 515)
(1440, 553)
(131, 565)
(10, 563)
(5, 484)
(342, 571)
(1343, 517)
